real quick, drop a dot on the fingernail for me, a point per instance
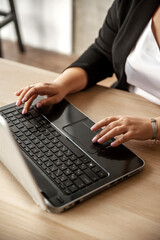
(94, 139)
(17, 103)
(92, 128)
(39, 105)
(24, 111)
(112, 144)
(100, 140)
(24, 99)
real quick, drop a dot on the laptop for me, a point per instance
(50, 152)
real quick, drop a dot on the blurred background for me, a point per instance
(54, 32)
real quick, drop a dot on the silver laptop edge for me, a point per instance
(11, 157)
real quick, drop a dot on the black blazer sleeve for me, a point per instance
(97, 59)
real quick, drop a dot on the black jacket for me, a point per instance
(124, 23)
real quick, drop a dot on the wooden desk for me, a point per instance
(130, 210)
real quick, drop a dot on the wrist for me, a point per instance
(73, 80)
(158, 127)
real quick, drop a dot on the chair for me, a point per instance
(7, 18)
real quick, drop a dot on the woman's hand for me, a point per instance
(70, 81)
(127, 127)
(53, 93)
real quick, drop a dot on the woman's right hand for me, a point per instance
(53, 92)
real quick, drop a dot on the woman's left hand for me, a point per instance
(127, 127)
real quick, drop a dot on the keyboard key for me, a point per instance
(44, 159)
(55, 149)
(53, 157)
(85, 179)
(44, 166)
(64, 158)
(36, 141)
(54, 140)
(64, 148)
(82, 166)
(39, 154)
(63, 167)
(68, 153)
(56, 134)
(73, 167)
(59, 154)
(68, 171)
(28, 124)
(72, 176)
(31, 137)
(50, 145)
(48, 171)
(59, 144)
(67, 191)
(72, 157)
(49, 153)
(44, 149)
(79, 183)
(63, 178)
(85, 159)
(35, 150)
(39, 162)
(34, 113)
(35, 123)
(23, 138)
(53, 168)
(52, 175)
(48, 163)
(58, 162)
(73, 188)
(77, 162)
(9, 115)
(45, 141)
(58, 173)
(91, 175)
(102, 174)
(96, 169)
(68, 162)
(91, 164)
(50, 136)
(78, 172)
(19, 134)
(68, 183)
(14, 129)
(20, 125)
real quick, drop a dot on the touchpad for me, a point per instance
(82, 133)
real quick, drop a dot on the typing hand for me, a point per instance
(53, 93)
(126, 128)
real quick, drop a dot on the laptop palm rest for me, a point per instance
(82, 134)
(80, 131)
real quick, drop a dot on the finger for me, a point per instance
(112, 133)
(17, 93)
(124, 138)
(23, 92)
(40, 89)
(103, 123)
(28, 104)
(49, 101)
(108, 128)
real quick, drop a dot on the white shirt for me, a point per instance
(142, 66)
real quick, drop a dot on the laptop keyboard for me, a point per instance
(65, 164)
